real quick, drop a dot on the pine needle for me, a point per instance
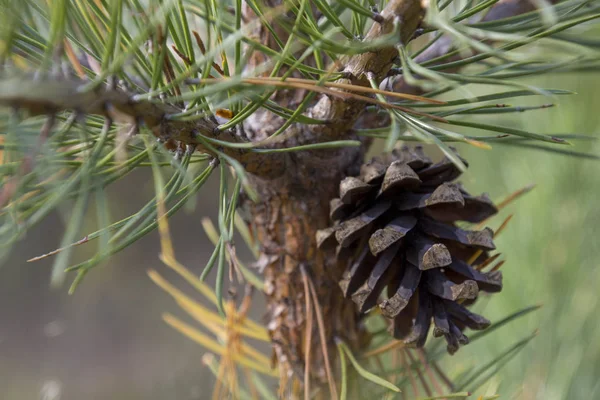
(363, 372)
(74, 60)
(54, 252)
(424, 383)
(344, 375)
(497, 266)
(503, 225)
(214, 346)
(460, 395)
(335, 93)
(478, 253)
(201, 313)
(515, 195)
(322, 335)
(408, 371)
(488, 261)
(308, 338)
(429, 372)
(350, 87)
(394, 344)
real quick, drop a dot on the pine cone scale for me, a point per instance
(420, 328)
(427, 254)
(439, 285)
(366, 296)
(351, 229)
(392, 306)
(399, 176)
(381, 239)
(353, 189)
(356, 273)
(480, 239)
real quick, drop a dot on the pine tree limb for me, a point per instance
(444, 45)
(45, 95)
(405, 16)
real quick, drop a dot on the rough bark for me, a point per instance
(296, 204)
(286, 221)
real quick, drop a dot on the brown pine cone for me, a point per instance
(394, 226)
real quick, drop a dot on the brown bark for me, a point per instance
(295, 205)
(286, 222)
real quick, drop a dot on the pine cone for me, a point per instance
(394, 226)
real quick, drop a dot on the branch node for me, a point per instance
(398, 28)
(125, 85)
(79, 117)
(214, 162)
(377, 17)
(178, 154)
(394, 72)
(418, 32)
(111, 82)
(190, 149)
(134, 130)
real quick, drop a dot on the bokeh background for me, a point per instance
(107, 341)
(552, 248)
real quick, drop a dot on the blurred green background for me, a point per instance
(552, 248)
(107, 341)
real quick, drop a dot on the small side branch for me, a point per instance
(502, 9)
(402, 16)
(41, 96)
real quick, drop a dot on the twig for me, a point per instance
(45, 95)
(408, 371)
(323, 336)
(444, 45)
(403, 16)
(419, 374)
(308, 339)
(28, 162)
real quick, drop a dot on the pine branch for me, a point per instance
(276, 132)
(401, 17)
(444, 45)
(45, 95)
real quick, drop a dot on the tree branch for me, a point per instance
(404, 15)
(50, 95)
(401, 16)
(46, 95)
(444, 45)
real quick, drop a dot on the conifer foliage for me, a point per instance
(282, 99)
